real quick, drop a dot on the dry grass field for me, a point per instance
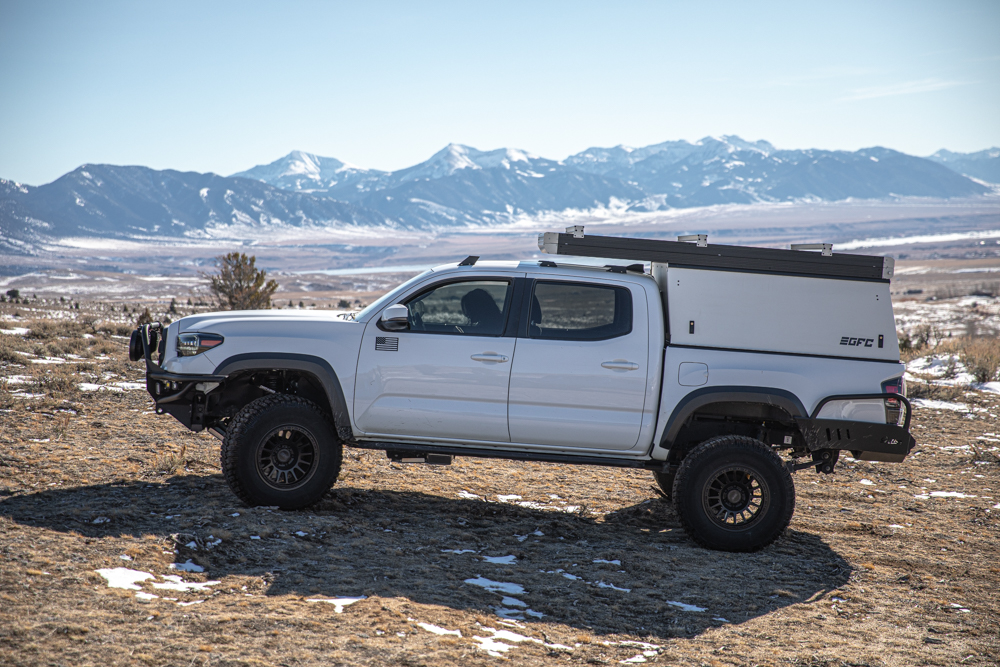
(120, 544)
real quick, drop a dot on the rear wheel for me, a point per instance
(733, 493)
(281, 450)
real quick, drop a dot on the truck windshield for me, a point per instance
(387, 298)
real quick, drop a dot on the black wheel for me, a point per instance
(733, 493)
(281, 450)
(665, 480)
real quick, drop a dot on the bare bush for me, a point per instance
(981, 357)
(240, 285)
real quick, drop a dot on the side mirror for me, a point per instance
(396, 318)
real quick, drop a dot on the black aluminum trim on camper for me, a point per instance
(722, 257)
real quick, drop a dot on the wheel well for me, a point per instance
(246, 386)
(766, 422)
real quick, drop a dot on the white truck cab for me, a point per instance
(698, 362)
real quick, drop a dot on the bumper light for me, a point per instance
(190, 344)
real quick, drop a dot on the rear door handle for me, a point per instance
(490, 356)
(620, 365)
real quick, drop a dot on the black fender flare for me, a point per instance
(317, 366)
(780, 398)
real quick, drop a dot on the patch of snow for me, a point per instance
(685, 607)
(188, 604)
(867, 482)
(176, 583)
(142, 595)
(467, 495)
(507, 499)
(601, 584)
(512, 602)
(500, 560)
(16, 331)
(949, 494)
(939, 405)
(123, 577)
(188, 566)
(338, 603)
(438, 630)
(609, 562)
(458, 551)
(496, 586)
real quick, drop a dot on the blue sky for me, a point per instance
(222, 86)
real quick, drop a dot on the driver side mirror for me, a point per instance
(396, 318)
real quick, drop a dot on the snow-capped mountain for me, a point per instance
(461, 185)
(306, 172)
(984, 165)
(730, 170)
(138, 202)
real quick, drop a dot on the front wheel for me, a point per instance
(733, 493)
(281, 450)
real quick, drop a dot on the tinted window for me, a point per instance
(575, 311)
(473, 307)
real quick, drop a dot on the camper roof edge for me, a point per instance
(717, 257)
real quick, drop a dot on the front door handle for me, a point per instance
(490, 356)
(620, 365)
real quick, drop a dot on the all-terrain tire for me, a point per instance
(734, 493)
(281, 450)
(665, 480)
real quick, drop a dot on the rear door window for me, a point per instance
(579, 311)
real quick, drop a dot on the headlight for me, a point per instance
(190, 344)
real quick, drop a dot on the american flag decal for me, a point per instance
(387, 343)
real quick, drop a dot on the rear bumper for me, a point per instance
(865, 440)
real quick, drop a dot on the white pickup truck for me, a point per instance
(701, 363)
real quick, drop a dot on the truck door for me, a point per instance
(446, 377)
(580, 366)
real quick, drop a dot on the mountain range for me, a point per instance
(462, 186)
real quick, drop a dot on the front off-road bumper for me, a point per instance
(867, 441)
(181, 396)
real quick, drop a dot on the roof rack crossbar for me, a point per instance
(720, 257)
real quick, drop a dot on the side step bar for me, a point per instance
(406, 450)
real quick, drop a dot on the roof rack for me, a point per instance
(699, 254)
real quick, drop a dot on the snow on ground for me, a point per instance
(955, 317)
(496, 647)
(338, 603)
(938, 405)
(129, 579)
(114, 386)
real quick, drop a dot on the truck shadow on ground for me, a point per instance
(631, 571)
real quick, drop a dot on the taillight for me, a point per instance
(892, 406)
(192, 343)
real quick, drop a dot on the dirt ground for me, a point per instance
(478, 563)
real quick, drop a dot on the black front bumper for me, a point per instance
(175, 394)
(866, 441)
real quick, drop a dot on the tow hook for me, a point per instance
(825, 460)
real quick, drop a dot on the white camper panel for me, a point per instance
(786, 314)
